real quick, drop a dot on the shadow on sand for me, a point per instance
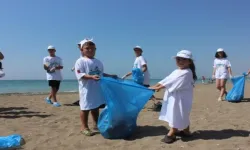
(148, 131)
(245, 100)
(217, 134)
(18, 112)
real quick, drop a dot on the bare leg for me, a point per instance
(218, 84)
(172, 131)
(50, 95)
(53, 93)
(95, 116)
(84, 116)
(223, 87)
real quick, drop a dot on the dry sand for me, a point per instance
(216, 125)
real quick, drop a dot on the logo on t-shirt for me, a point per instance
(95, 71)
(220, 65)
(135, 66)
(52, 64)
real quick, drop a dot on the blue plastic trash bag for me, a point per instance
(137, 75)
(124, 100)
(236, 94)
(11, 142)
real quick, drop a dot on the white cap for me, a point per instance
(51, 47)
(137, 47)
(220, 50)
(81, 43)
(184, 54)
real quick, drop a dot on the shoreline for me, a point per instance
(35, 93)
(69, 92)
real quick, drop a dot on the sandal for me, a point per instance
(95, 128)
(169, 139)
(156, 106)
(87, 132)
(183, 134)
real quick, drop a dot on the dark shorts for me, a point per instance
(146, 85)
(54, 84)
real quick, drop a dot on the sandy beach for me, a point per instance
(216, 125)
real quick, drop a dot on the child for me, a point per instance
(178, 96)
(2, 74)
(221, 72)
(141, 63)
(88, 70)
(76, 103)
(1, 58)
(53, 66)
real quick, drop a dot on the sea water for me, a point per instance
(40, 86)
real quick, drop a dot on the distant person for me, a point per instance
(221, 72)
(53, 65)
(1, 56)
(203, 79)
(88, 71)
(178, 97)
(141, 63)
(210, 81)
(2, 74)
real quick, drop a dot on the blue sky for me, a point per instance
(161, 27)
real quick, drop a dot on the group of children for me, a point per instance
(178, 97)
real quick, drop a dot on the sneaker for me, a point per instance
(48, 101)
(56, 104)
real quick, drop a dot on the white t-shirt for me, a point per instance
(53, 62)
(90, 92)
(178, 98)
(221, 66)
(2, 74)
(139, 62)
